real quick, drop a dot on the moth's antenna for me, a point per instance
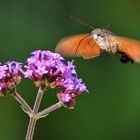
(80, 43)
(82, 22)
(108, 26)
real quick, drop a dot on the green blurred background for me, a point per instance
(112, 109)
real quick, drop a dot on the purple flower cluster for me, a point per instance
(46, 68)
(9, 76)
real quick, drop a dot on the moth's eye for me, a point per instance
(101, 35)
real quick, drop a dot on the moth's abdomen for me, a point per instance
(129, 47)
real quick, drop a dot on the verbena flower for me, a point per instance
(72, 87)
(46, 68)
(9, 76)
(43, 67)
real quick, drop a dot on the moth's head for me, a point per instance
(99, 34)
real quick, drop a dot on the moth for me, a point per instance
(98, 41)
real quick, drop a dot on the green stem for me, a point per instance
(46, 111)
(31, 127)
(33, 118)
(22, 102)
(38, 100)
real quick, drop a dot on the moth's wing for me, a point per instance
(78, 45)
(130, 47)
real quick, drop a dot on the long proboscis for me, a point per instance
(80, 44)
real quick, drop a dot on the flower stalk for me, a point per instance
(46, 111)
(33, 116)
(22, 102)
(31, 128)
(38, 101)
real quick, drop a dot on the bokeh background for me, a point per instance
(112, 109)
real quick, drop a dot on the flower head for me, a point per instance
(9, 76)
(46, 68)
(72, 87)
(43, 66)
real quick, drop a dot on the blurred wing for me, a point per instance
(130, 47)
(87, 47)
